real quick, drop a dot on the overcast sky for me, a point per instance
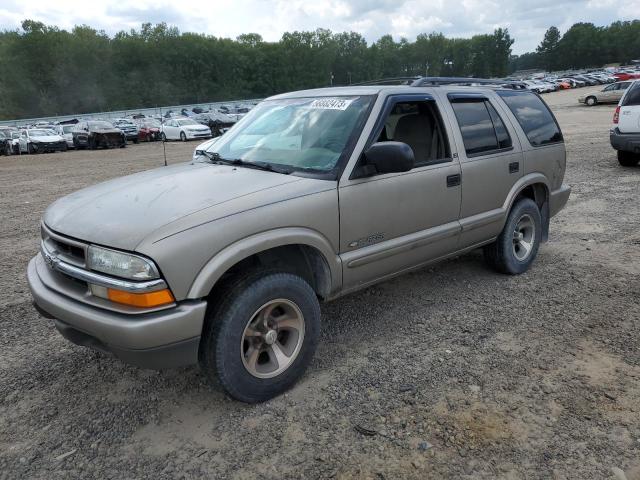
(526, 19)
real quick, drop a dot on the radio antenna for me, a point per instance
(162, 138)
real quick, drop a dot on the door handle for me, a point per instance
(514, 167)
(454, 180)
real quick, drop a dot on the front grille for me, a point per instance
(68, 250)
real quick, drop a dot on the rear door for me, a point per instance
(629, 115)
(491, 162)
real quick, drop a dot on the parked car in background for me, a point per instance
(13, 134)
(6, 147)
(183, 129)
(129, 128)
(625, 133)
(148, 129)
(40, 140)
(215, 120)
(66, 132)
(98, 133)
(610, 94)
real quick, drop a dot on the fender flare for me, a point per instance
(519, 186)
(226, 258)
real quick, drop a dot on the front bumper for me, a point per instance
(199, 134)
(627, 142)
(558, 199)
(161, 339)
(49, 146)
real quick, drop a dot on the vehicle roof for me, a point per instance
(376, 89)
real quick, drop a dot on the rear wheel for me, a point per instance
(628, 159)
(261, 336)
(516, 247)
(591, 101)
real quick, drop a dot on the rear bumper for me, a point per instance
(161, 339)
(558, 199)
(627, 142)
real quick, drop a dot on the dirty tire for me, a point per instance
(591, 101)
(221, 347)
(502, 255)
(628, 159)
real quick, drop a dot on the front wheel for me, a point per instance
(516, 247)
(183, 136)
(261, 336)
(628, 159)
(163, 137)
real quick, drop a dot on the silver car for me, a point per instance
(223, 261)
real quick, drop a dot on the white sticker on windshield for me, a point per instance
(332, 103)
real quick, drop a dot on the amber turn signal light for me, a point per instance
(142, 300)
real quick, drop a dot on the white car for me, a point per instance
(183, 129)
(65, 132)
(39, 140)
(625, 133)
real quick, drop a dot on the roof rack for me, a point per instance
(418, 81)
(468, 81)
(389, 81)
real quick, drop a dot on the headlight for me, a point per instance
(120, 264)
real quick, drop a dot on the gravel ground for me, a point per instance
(450, 372)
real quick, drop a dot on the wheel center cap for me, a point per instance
(271, 337)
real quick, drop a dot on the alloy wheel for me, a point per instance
(524, 237)
(272, 339)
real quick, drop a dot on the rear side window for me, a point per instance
(482, 128)
(534, 117)
(633, 96)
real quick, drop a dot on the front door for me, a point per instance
(393, 222)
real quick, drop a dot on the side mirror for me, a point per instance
(387, 157)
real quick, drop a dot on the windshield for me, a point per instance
(187, 122)
(100, 125)
(68, 128)
(151, 124)
(299, 133)
(40, 133)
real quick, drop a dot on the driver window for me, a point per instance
(419, 125)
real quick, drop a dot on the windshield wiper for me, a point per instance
(268, 167)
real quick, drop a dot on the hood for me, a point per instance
(47, 138)
(106, 130)
(122, 212)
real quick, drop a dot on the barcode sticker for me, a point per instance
(332, 103)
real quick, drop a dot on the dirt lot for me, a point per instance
(450, 372)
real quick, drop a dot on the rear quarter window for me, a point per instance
(633, 96)
(534, 117)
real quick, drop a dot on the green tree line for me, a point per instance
(583, 45)
(48, 71)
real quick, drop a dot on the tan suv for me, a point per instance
(610, 94)
(314, 194)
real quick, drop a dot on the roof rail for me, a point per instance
(418, 81)
(389, 81)
(468, 81)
